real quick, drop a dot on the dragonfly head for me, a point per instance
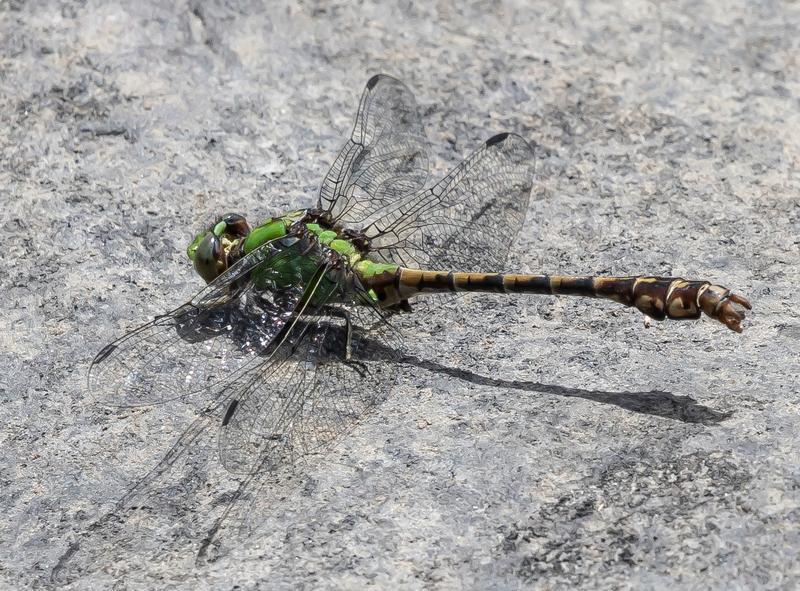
(210, 250)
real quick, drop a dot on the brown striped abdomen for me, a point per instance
(658, 297)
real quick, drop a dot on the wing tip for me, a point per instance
(517, 143)
(104, 353)
(229, 412)
(496, 139)
(373, 81)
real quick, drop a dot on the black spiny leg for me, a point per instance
(348, 335)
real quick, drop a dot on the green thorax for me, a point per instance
(279, 227)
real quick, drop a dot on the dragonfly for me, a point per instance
(281, 341)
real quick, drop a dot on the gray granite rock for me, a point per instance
(535, 443)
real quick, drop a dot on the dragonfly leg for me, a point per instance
(359, 366)
(348, 346)
(348, 329)
(348, 359)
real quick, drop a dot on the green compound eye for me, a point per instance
(236, 225)
(209, 258)
(191, 250)
(231, 226)
(220, 228)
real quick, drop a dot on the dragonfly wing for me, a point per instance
(310, 391)
(218, 334)
(385, 158)
(303, 400)
(345, 392)
(469, 219)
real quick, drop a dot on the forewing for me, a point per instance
(384, 160)
(467, 221)
(221, 332)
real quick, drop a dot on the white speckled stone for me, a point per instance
(536, 443)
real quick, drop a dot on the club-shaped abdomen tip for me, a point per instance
(732, 311)
(725, 306)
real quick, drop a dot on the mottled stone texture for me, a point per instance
(535, 443)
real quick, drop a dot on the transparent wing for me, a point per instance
(297, 389)
(220, 333)
(329, 371)
(467, 221)
(307, 395)
(384, 160)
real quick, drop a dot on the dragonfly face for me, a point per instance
(210, 251)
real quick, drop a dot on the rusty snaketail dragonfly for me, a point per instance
(278, 342)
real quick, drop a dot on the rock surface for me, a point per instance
(537, 443)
